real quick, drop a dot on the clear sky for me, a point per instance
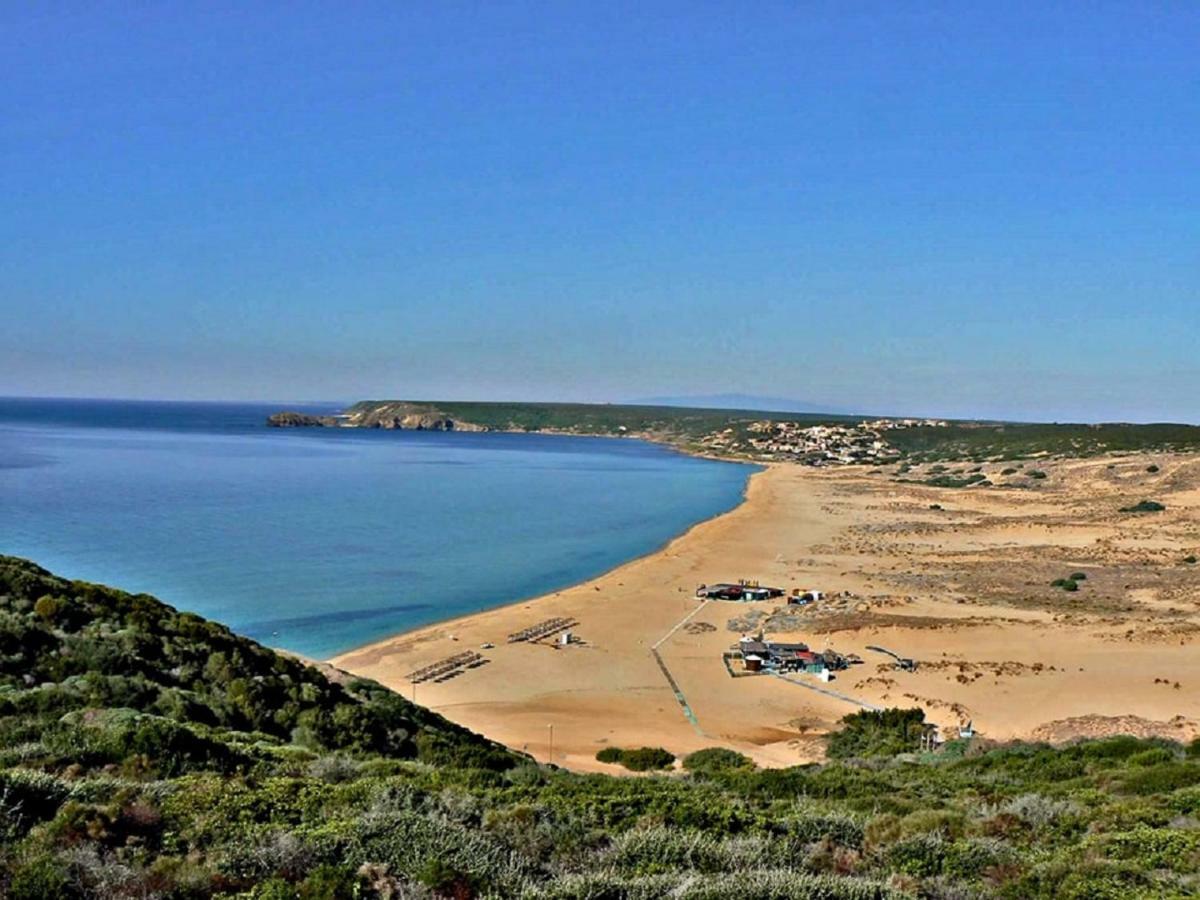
(959, 209)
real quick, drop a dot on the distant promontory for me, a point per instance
(816, 439)
(400, 415)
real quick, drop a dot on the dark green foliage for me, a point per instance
(966, 440)
(715, 761)
(1151, 469)
(1190, 560)
(886, 733)
(138, 783)
(1037, 474)
(1067, 584)
(67, 647)
(641, 759)
(951, 481)
(610, 755)
(1144, 506)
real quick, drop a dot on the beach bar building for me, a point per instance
(742, 591)
(760, 655)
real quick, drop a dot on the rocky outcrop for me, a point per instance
(405, 416)
(396, 415)
(300, 420)
(418, 422)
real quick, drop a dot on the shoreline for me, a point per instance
(534, 598)
(960, 580)
(533, 681)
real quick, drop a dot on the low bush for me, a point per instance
(878, 733)
(715, 761)
(641, 759)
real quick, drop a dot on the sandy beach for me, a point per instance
(965, 589)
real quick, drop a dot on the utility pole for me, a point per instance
(550, 760)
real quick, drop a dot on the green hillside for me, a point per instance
(152, 754)
(686, 427)
(598, 418)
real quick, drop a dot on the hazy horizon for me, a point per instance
(937, 211)
(680, 402)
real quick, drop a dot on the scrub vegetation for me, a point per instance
(686, 426)
(150, 753)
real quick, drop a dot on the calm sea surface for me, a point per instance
(318, 540)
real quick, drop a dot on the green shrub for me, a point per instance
(643, 759)
(970, 859)
(1157, 848)
(715, 760)
(1037, 474)
(877, 733)
(920, 856)
(1163, 778)
(40, 878)
(1152, 469)
(1152, 757)
(328, 882)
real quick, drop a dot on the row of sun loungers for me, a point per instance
(448, 667)
(541, 629)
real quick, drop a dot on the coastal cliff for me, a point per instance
(406, 416)
(398, 415)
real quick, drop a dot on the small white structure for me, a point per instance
(564, 639)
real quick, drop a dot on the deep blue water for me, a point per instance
(318, 540)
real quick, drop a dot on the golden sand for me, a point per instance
(965, 590)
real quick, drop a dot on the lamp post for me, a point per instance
(550, 759)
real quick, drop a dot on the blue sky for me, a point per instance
(954, 209)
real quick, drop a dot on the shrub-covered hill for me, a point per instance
(146, 753)
(92, 673)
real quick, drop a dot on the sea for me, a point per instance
(319, 540)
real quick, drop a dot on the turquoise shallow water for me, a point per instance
(320, 540)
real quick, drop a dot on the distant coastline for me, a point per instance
(320, 542)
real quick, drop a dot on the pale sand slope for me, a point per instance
(965, 590)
